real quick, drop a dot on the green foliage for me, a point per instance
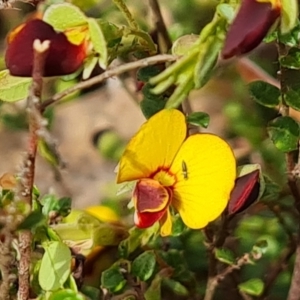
(253, 287)
(143, 266)
(225, 256)
(64, 16)
(284, 132)
(198, 119)
(264, 93)
(13, 88)
(55, 266)
(113, 279)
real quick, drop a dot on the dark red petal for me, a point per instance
(244, 193)
(150, 196)
(147, 219)
(63, 57)
(250, 26)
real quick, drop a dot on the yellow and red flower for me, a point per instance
(193, 174)
(66, 53)
(251, 24)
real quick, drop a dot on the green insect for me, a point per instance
(184, 170)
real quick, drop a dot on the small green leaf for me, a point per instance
(184, 44)
(31, 221)
(143, 266)
(112, 279)
(51, 203)
(198, 119)
(292, 98)
(90, 291)
(176, 287)
(284, 132)
(253, 287)
(151, 104)
(178, 226)
(89, 65)
(55, 267)
(289, 15)
(226, 11)
(64, 16)
(12, 88)
(137, 238)
(225, 256)
(99, 42)
(66, 294)
(291, 60)
(264, 93)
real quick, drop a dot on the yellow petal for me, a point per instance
(154, 145)
(103, 213)
(205, 168)
(166, 224)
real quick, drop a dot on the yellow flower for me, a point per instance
(193, 174)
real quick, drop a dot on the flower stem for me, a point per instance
(27, 176)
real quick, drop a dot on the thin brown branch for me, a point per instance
(215, 240)
(6, 261)
(109, 73)
(216, 280)
(164, 41)
(27, 176)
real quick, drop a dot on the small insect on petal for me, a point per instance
(244, 193)
(184, 170)
(63, 57)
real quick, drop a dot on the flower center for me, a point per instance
(164, 177)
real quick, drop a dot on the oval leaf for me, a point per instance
(31, 221)
(99, 42)
(253, 287)
(55, 267)
(284, 132)
(112, 279)
(143, 266)
(13, 88)
(199, 119)
(183, 44)
(225, 256)
(64, 16)
(66, 295)
(264, 93)
(291, 60)
(292, 98)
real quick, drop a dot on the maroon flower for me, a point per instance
(63, 57)
(250, 26)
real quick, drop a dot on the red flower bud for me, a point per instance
(244, 193)
(250, 26)
(63, 56)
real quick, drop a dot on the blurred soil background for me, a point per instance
(88, 176)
